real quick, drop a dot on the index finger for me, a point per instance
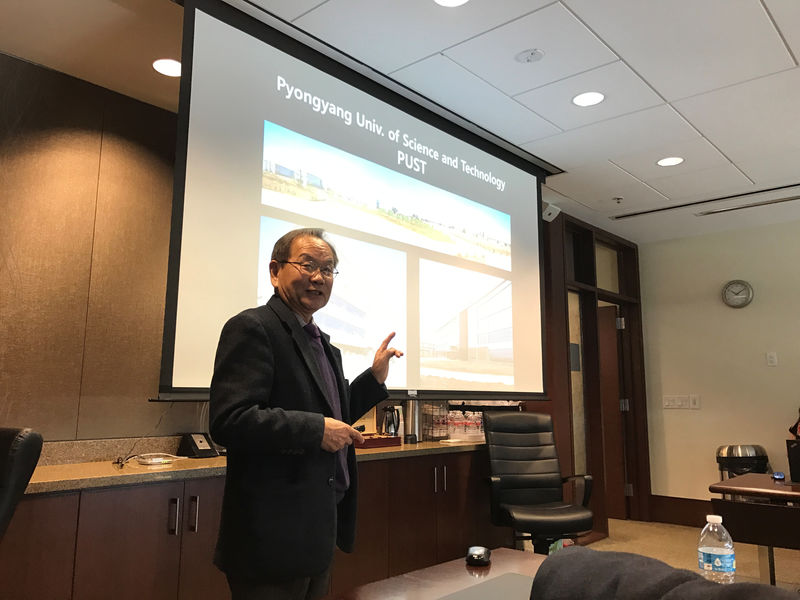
(356, 437)
(385, 343)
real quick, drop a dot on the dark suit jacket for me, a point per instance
(280, 519)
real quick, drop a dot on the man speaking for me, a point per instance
(281, 406)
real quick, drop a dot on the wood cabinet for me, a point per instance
(436, 499)
(487, 534)
(150, 541)
(199, 578)
(464, 515)
(128, 543)
(460, 510)
(156, 540)
(439, 507)
(413, 490)
(415, 512)
(369, 560)
(37, 550)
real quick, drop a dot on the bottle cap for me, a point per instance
(716, 519)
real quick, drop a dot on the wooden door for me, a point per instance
(612, 423)
(413, 485)
(37, 550)
(370, 558)
(128, 543)
(199, 578)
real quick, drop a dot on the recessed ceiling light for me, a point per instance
(450, 3)
(588, 99)
(530, 55)
(168, 67)
(670, 161)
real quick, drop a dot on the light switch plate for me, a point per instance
(676, 401)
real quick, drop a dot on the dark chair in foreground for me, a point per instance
(527, 492)
(592, 575)
(19, 453)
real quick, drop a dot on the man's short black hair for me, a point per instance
(282, 249)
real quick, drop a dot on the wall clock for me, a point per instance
(737, 293)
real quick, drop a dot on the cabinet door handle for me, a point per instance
(194, 513)
(435, 480)
(444, 469)
(175, 514)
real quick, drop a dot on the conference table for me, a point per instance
(762, 512)
(509, 576)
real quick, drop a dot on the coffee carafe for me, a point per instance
(411, 422)
(391, 421)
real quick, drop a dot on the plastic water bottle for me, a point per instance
(715, 556)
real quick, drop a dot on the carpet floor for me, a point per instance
(676, 545)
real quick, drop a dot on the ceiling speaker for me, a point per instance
(550, 212)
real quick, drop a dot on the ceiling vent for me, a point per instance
(716, 211)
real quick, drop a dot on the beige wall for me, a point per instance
(85, 199)
(694, 344)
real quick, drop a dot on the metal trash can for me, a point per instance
(736, 460)
(739, 459)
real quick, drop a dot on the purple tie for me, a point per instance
(342, 478)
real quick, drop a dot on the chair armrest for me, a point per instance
(581, 481)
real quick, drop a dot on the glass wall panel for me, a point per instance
(607, 267)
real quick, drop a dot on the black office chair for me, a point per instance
(526, 482)
(19, 453)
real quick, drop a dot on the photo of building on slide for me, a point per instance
(465, 329)
(305, 176)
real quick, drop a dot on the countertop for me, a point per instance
(91, 475)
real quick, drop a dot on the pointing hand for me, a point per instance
(380, 366)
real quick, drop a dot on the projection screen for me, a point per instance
(438, 238)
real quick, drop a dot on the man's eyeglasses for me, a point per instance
(310, 268)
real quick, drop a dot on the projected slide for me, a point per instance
(437, 231)
(305, 176)
(465, 330)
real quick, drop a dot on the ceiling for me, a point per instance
(714, 81)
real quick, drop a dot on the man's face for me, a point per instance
(303, 293)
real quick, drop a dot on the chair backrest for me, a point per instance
(522, 453)
(19, 453)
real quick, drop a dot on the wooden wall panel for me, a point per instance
(557, 373)
(49, 149)
(679, 511)
(128, 282)
(85, 194)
